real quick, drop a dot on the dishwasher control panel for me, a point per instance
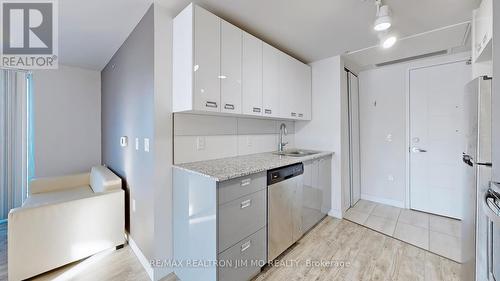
(284, 173)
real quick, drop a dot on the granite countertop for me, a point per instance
(239, 166)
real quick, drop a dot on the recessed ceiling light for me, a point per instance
(389, 41)
(383, 21)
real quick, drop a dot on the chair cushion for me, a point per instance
(64, 195)
(102, 179)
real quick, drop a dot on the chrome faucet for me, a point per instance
(283, 132)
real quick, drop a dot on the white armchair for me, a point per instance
(65, 219)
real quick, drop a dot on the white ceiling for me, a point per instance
(92, 30)
(450, 39)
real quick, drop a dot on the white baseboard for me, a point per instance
(142, 259)
(390, 202)
(335, 213)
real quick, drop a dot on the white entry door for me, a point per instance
(437, 139)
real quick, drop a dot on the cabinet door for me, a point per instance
(252, 75)
(230, 76)
(312, 195)
(304, 92)
(270, 80)
(325, 183)
(206, 60)
(286, 86)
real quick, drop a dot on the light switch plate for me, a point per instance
(146, 144)
(124, 141)
(136, 143)
(200, 143)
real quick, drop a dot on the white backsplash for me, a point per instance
(205, 137)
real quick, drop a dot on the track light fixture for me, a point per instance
(382, 24)
(383, 21)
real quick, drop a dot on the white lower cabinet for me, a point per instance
(316, 193)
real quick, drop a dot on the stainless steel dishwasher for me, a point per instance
(284, 208)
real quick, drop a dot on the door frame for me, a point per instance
(350, 140)
(461, 57)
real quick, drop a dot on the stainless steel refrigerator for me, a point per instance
(477, 157)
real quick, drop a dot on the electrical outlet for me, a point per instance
(146, 145)
(133, 205)
(136, 143)
(200, 143)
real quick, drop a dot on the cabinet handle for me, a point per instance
(246, 203)
(268, 111)
(293, 114)
(246, 182)
(211, 104)
(229, 106)
(301, 115)
(256, 109)
(245, 246)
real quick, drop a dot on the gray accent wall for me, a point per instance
(128, 110)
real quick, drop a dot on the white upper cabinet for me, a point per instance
(252, 75)
(295, 88)
(230, 76)
(206, 60)
(305, 97)
(196, 61)
(287, 91)
(482, 34)
(270, 80)
(219, 68)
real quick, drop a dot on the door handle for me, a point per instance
(211, 104)
(467, 159)
(246, 182)
(418, 150)
(246, 203)
(245, 246)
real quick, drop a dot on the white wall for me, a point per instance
(327, 130)
(67, 120)
(383, 125)
(496, 92)
(163, 139)
(225, 136)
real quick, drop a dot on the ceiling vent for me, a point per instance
(438, 53)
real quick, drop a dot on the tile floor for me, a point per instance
(434, 233)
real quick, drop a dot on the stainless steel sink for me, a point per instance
(296, 152)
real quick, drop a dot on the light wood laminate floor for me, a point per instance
(365, 255)
(360, 254)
